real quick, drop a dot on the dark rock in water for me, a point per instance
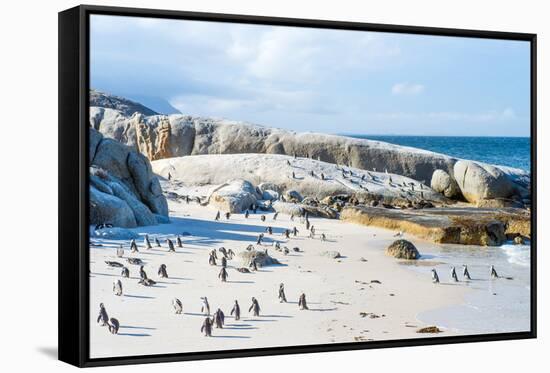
(403, 249)
(430, 329)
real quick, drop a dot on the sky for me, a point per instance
(319, 80)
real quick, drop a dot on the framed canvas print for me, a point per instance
(234, 186)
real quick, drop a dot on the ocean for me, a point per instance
(505, 151)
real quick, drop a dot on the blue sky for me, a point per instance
(319, 80)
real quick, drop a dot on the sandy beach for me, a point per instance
(362, 296)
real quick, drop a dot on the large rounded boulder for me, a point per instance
(402, 249)
(235, 196)
(443, 183)
(479, 182)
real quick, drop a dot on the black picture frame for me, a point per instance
(73, 183)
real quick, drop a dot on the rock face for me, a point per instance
(235, 196)
(123, 190)
(443, 183)
(457, 225)
(261, 258)
(160, 137)
(402, 249)
(479, 182)
(125, 106)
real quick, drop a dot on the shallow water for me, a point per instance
(494, 305)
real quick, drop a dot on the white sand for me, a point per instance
(150, 326)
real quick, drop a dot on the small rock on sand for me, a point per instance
(430, 329)
(403, 249)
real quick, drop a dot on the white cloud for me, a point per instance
(407, 89)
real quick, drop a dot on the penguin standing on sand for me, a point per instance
(142, 273)
(453, 275)
(255, 307)
(133, 246)
(223, 274)
(224, 262)
(218, 214)
(275, 215)
(227, 215)
(178, 241)
(262, 218)
(246, 214)
(117, 288)
(282, 296)
(323, 237)
(223, 251)
(120, 252)
(307, 224)
(230, 253)
(171, 248)
(287, 233)
(260, 237)
(212, 259)
(435, 277)
(219, 318)
(157, 242)
(162, 271)
(302, 302)
(465, 272)
(294, 231)
(114, 325)
(147, 242)
(206, 327)
(178, 307)
(236, 311)
(102, 318)
(494, 273)
(253, 264)
(269, 230)
(205, 308)
(125, 272)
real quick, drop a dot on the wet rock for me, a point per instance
(402, 249)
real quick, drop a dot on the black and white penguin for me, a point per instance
(224, 262)
(223, 274)
(205, 308)
(171, 247)
(178, 241)
(206, 327)
(465, 272)
(114, 325)
(218, 214)
(133, 246)
(114, 264)
(230, 253)
(142, 273)
(246, 214)
(435, 277)
(227, 215)
(269, 230)
(260, 237)
(125, 272)
(294, 231)
(212, 260)
(157, 242)
(282, 296)
(219, 318)
(102, 318)
(117, 288)
(236, 311)
(255, 307)
(223, 251)
(147, 242)
(135, 261)
(162, 271)
(494, 273)
(147, 282)
(323, 237)
(119, 252)
(178, 307)
(275, 215)
(302, 302)
(453, 274)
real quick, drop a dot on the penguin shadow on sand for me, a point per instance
(131, 332)
(138, 296)
(239, 327)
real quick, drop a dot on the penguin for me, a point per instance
(133, 246)
(293, 175)
(214, 254)
(249, 248)
(223, 251)
(142, 273)
(435, 277)
(219, 318)
(162, 271)
(259, 242)
(117, 288)
(171, 248)
(302, 302)
(224, 262)
(312, 173)
(103, 318)
(363, 177)
(227, 215)
(269, 230)
(294, 231)
(205, 308)
(494, 273)
(230, 253)
(223, 274)
(287, 162)
(178, 307)
(262, 218)
(147, 242)
(312, 229)
(254, 265)
(135, 261)
(275, 215)
(453, 275)
(246, 214)
(286, 233)
(114, 325)
(291, 215)
(169, 176)
(323, 237)
(212, 260)
(255, 307)
(157, 242)
(282, 296)
(114, 264)
(147, 282)
(206, 327)
(236, 311)
(187, 199)
(178, 241)
(120, 252)
(125, 272)
(465, 272)
(286, 251)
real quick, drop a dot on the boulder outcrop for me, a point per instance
(443, 183)
(403, 249)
